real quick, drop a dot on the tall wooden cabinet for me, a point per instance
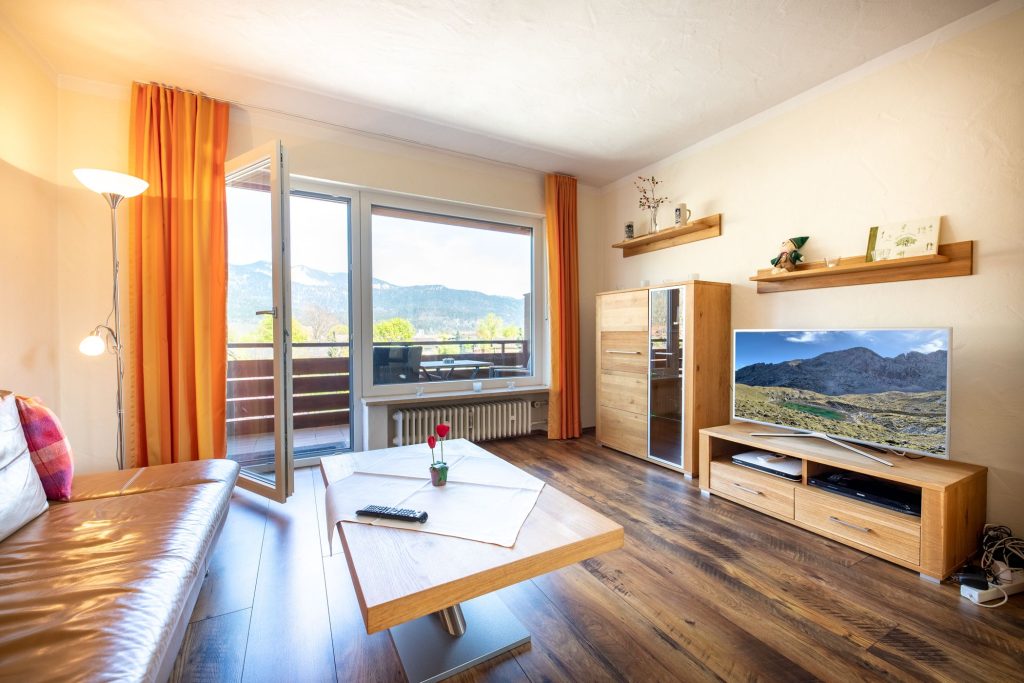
(663, 363)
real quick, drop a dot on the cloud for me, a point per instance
(930, 346)
(807, 337)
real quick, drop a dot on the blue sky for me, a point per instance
(778, 346)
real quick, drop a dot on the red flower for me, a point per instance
(431, 441)
(442, 430)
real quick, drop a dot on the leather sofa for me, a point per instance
(101, 587)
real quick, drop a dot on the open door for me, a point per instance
(259, 390)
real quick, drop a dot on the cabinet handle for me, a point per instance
(628, 353)
(741, 487)
(849, 524)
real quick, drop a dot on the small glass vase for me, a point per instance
(439, 473)
(654, 220)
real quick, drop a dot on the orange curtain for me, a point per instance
(177, 278)
(563, 285)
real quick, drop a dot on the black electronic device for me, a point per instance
(402, 514)
(972, 576)
(771, 463)
(887, 494)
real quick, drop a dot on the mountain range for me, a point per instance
(432, 309)
(852, 371)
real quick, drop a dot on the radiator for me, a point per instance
(473, 421)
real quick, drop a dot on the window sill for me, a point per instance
(442, 396)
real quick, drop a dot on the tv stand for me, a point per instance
(934, 544)
(826, 437)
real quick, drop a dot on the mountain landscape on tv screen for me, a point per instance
(853, 393)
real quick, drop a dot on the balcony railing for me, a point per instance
(321, 385)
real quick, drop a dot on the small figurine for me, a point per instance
(790, 255)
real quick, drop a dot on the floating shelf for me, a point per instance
(700, 229)
(952, 260)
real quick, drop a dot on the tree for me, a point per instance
(488, 327)
(264, 332)
(300, 333)
(393, 330)
(321, 321)
(511, 332)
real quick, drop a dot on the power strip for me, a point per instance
(993, 592)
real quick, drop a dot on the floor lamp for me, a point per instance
(114, 187)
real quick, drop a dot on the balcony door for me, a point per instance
(259, 408)
(289, 303)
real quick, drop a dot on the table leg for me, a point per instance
(453, 620)
(442, 644)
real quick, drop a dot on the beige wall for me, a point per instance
(591, 219)
(28, 250)
(941, 132)
(331, 153)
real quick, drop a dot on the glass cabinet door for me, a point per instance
(665, 423)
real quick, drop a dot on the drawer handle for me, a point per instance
(849, 524)
(628, 353)
(741, 487)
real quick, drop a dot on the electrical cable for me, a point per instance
(999, 544)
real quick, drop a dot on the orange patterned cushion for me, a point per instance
(48, 446)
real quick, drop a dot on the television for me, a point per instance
(885, 388)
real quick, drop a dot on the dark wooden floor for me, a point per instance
(703, 590)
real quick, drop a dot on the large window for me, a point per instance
(453, 297)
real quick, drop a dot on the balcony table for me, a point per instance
(460, 364)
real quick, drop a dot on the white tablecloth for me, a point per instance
(486, 499)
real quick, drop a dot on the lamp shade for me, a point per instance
(93, 345)
(110, 182)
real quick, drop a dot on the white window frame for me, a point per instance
(539, 307)
(338, 191)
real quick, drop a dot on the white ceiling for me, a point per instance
(595, 88)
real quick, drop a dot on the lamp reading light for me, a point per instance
(93, 345)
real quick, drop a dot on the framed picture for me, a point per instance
(904, 239)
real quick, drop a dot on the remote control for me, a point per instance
(384, 512)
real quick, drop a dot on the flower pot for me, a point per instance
(439, 474)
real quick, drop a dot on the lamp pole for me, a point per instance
(114, 199)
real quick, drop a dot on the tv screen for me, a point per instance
(885, 388)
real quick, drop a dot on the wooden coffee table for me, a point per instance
(435, 593)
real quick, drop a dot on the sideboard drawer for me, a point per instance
(624, 352)
(623, 310)
(624, 392)
(888, 532)
(761, 490)
(623, 431)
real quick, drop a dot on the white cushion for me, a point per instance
(21, 493)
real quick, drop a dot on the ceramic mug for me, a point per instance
(682, 214)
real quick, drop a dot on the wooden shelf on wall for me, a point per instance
(700, 229)
(952, 260)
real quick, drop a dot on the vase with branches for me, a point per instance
(648, 200)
